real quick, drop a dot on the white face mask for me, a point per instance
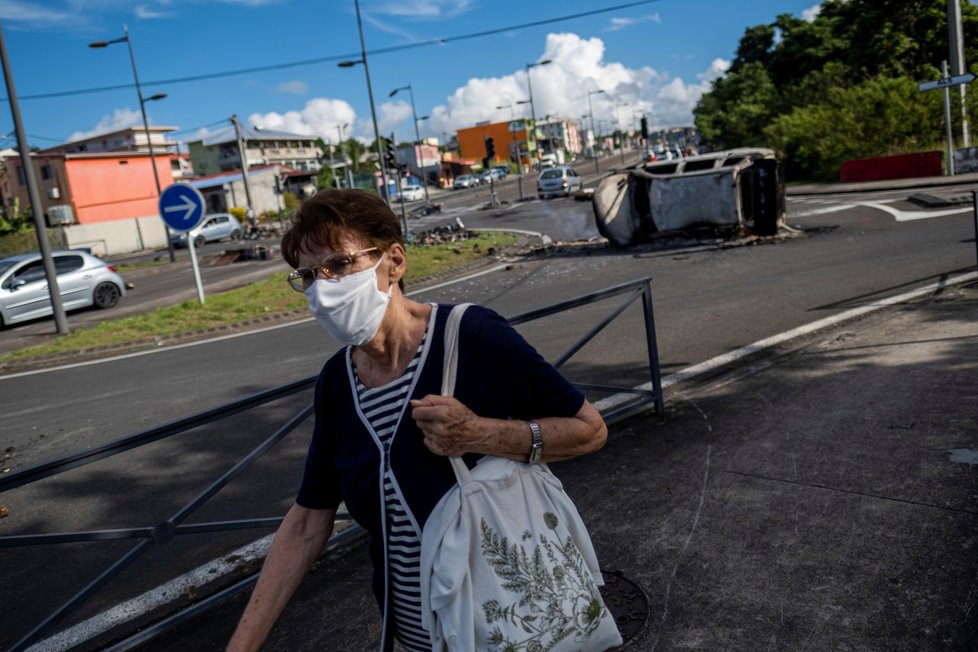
(350, 308)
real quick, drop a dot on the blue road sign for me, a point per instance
(181, 207)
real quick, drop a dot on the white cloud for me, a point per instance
(31, 12)
(119, 119)
(622, 23)
(561, 89)
(810, 13)
(294, 87)
(421, 8)
(391, 115)
(718, 68)
(147, 13)
(319, 117)
(392, 29)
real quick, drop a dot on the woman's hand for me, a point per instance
(449, 428)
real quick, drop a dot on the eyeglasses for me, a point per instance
(334, 266)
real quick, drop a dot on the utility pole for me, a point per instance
(60, 321)
(947, 121)
(955, 33)
(244, 159)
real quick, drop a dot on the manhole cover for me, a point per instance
(628, 603)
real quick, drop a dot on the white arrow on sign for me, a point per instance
(187, 207)
(957, 80)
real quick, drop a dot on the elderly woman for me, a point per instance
(382, 432)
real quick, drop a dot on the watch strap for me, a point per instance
(536, 442)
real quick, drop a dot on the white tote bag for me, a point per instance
(506, 561)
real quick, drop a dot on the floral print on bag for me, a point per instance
(548, 605)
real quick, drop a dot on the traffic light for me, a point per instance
(490, 149)
(645, 128)
(390, 155)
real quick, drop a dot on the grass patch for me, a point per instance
(251, 301)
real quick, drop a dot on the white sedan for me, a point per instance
(412, 193)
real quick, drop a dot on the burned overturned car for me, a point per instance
(734, 191)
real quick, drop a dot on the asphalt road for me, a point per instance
(708, 300)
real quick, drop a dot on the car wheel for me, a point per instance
(106, 295)
(199, 241)
(236, 234)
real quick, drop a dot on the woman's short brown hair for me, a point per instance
(330, 214)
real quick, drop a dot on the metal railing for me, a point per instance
(174, 526)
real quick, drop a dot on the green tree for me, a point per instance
(790, 80)
(884, 115)
(738, 108)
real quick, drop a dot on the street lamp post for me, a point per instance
(529, 86)
(512, 114)
(142, 108)
(417, 139)
(621, 132)
(373, 109)
(57, 307)
(349, 172)
(594, 134)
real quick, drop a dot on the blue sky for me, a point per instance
(654, 58)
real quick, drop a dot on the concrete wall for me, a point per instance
(118, 236)
(221, 198)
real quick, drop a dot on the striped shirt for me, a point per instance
(382, 406)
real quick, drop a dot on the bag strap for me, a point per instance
(451, 349)
(450, 369)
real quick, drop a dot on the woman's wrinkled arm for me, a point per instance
(451, 429)
(297, 543)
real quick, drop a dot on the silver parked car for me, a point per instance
(214, 227)
(561, 180)
(83, 280)
(465, 181)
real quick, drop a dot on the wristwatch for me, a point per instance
(536, 442)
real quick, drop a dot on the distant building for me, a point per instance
(512, 140)
(105, 201)
(421, 160)
(218, 152)
(559, 134)
(266, 184)
(131, 139)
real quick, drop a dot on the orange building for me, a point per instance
(104, 201)
(511, 139)
(89, 188)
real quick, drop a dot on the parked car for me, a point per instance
(214, 227)
(561, 180)
(493, 173)
(465, 181)
(411, 193)
(502, 169)
(83, 281)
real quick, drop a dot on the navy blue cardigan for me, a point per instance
(499, 376)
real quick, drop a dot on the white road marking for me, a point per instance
(167, 593)
(152, 599)
(908, 216)
(820, 211)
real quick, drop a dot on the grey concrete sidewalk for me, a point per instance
(822, 496)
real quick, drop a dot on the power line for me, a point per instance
(340, 57)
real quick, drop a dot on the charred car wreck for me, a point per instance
(734, 191)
